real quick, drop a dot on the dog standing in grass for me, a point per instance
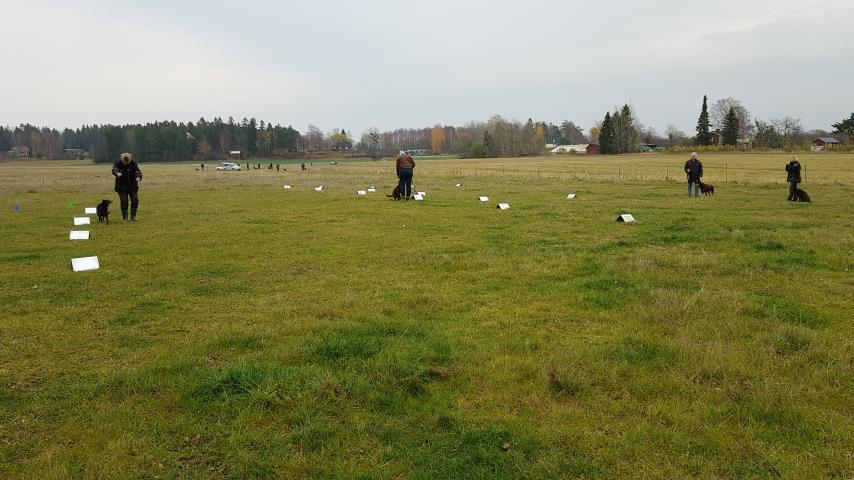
(103, 211)
(707, 188)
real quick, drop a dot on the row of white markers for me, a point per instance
(83, 264)
(626, 217)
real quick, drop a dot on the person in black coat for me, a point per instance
(793, 176)
(694, 170)
(128, 177)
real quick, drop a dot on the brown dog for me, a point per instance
(800, 196)
(707, 188)
(103, 211)
(395, 194)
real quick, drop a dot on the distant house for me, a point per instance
(593, 149)
(76, 153)
(19, 151)
(716, 137)
(647, 147)
(581, 148)
(418, 152)
(235, 154)
(822, 142)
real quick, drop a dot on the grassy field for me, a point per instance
(242, 330)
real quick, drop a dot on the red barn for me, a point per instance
(593, 149)
(825, 141)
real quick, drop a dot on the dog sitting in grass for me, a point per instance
(395, 194)
(800, 196)
(103, 210)
(707, 188)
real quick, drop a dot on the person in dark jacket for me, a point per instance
(128, 177)
(793, 176)
(694, 170)
(405, 167)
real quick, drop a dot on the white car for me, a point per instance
(227, 166)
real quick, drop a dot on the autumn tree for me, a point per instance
(437, 139)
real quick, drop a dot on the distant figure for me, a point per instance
(694, 170)
(247, 167)
(277, 167)
(270, 167)
(303, 166)
(793, 176)
(259, 166)
(405, 167)
(128, 178)
(203, 167)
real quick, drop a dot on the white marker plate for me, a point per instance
(626, 217)
(423, 194)
(483, 199)
(361, 192)
(372, 190)
(504, 206)
(79, 235)
(90, 211)
(85, 263)
(571, 196)
(318, 189)
(287, 187)
(82, 221)
(418, 196)
(458, 185)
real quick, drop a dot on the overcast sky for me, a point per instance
(393, 63)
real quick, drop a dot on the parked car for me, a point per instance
(228, 166)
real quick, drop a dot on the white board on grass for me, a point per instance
(361, 192)
(287, 187)
(90, 211)
(372, 190)
(84, 263)
(571, 196)
(626, 217)
(483, 199)
(82, 221)
(79, 235)
(418, 197)
(318, 189)
(504, 206)
(423, 194)
(458, 185)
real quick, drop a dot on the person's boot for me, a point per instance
(124, 216)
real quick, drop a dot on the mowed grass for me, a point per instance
(242, 330)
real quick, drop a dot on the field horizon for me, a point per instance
(245, 330)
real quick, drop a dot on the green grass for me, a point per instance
(242, 330)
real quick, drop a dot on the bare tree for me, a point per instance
(674, 135)
(719, 110)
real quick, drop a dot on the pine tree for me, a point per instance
(731, 128)
(606, 136)
(629, 136)
(617, 132)
(703, 137)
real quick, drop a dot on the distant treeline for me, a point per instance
(154, 142)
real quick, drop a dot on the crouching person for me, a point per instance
(128, 178)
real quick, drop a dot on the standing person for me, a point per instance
(128, 177)
(793, 176)
(203, 167)
(405, 166)
(694, 170)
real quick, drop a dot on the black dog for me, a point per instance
(800, 196)
(103, 210)
(395, 194)
(707, 188)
